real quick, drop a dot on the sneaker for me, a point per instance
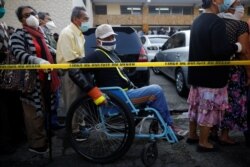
(81, 136)
(39, 150)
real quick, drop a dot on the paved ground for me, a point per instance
(170, 155)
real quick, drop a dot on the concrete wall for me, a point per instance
(60, 10)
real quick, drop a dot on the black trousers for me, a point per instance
(11, 118)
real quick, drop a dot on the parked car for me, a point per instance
(129, 49)
(153, 44)
(176, 49)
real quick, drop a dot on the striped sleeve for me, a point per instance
(20, 44)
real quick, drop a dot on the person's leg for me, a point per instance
(154, 97)
(203, 140)
(193, 130)
(5, 127)
(247, 133)
(35, 128)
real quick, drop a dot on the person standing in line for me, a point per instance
(70, 49)
(235, 117)
(47, 25)
(29, 46)
(208, 96)
(10, 105)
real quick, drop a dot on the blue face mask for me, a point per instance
(2, 12)
(84, 26)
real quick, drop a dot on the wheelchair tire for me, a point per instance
(149, 154)
(107, 136)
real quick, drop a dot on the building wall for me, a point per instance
(59, 10)
(115, 18)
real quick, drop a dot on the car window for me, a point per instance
(143, 40)
(178, 40)
(154, 40)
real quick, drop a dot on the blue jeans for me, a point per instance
(154, 97)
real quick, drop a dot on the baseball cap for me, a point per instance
(103, 31)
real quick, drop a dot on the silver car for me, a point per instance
(175, 49)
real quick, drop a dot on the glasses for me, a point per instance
(26, 15)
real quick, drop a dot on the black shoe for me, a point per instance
(179, 137)
(192, 141)
(81, 135)
(39, 150)
(225, 143)
(205, 149)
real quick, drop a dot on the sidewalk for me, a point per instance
(169, 155)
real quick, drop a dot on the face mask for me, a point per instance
(50, 25)
(2, 12)
(108, 45)
(219, 6)
(239, 12)
(84, 26)
(32, 21)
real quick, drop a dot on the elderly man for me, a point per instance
(70, 49)
(106, 43)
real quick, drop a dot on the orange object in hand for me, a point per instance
(96, 94)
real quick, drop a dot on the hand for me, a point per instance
(44, 62)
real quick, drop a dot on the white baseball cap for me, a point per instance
(104, 31)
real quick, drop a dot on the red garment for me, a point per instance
(38, 35)
(38, 54)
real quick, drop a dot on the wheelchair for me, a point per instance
(108, 130)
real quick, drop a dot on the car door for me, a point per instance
(176, 54)
(173, 53)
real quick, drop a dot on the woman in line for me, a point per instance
(29, 46)
(208, 96)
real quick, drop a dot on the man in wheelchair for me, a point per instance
(151, 95)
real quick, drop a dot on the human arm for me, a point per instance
(84, 79)
(220, 43)
(19, 48)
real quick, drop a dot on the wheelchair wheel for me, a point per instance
(149, 154)
(100, 134)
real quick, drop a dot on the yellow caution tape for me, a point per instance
(124, 64)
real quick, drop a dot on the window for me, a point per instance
(101, 9)
(188, 11)
(131, 10)
(178, 40)
(174, 10)
(143, 40)
(175, 41)
(159, 10)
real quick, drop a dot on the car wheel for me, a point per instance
(155, 69)
(180, 83)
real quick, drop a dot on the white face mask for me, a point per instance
(239, 12)
(108, 45)
(50, 25)
(32, 21)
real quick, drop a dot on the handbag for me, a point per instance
(16, 80)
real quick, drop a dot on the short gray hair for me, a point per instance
(76, 12)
